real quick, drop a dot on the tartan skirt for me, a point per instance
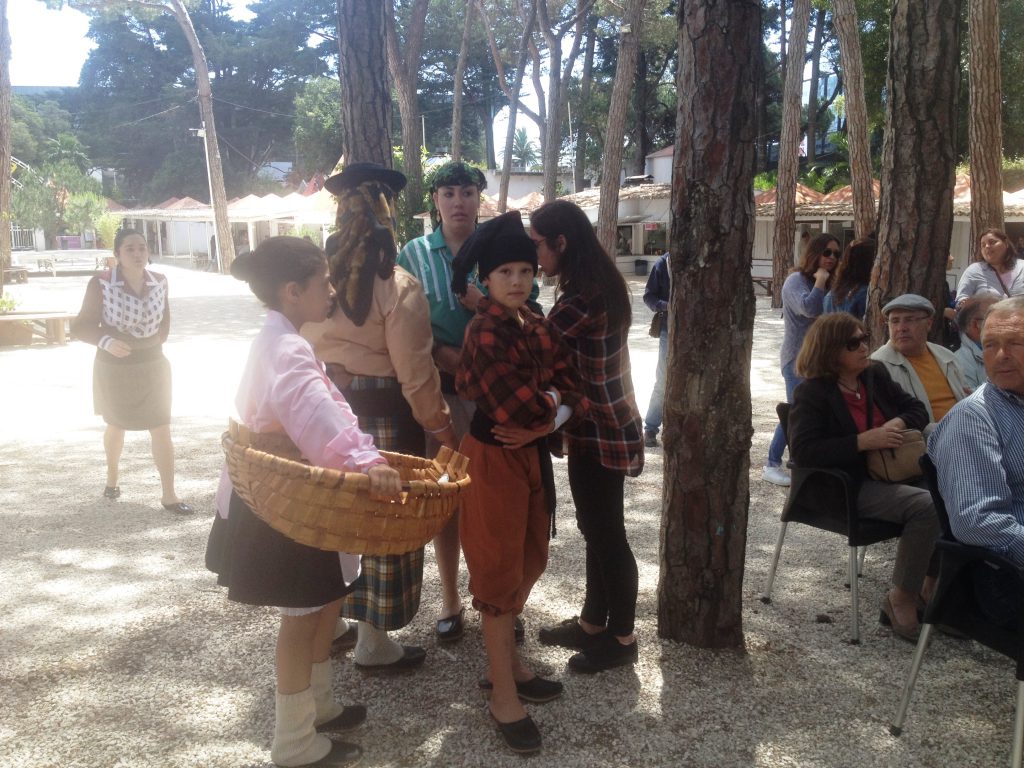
(387, 592)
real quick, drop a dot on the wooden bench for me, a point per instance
(762, 275)
(51, 327)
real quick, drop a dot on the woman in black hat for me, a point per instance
(377, 347)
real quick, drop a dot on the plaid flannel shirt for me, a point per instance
(612, 431)
(507, 368)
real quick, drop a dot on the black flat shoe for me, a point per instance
(519, 631)
(412, 657)
(179, 508)
(450, 628)
(606, 652)
(346, 641)
(536, 691)
(112, 492)
(521, 736)
(567, 634)
(349, 717)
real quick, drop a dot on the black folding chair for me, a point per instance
(956, 605)
(826, 499)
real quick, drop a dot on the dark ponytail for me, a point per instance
(275, 262)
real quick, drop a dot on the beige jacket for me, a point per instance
(395, 341)
(903, 373)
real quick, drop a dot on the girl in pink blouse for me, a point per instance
(284, 389)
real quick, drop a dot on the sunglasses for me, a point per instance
(854, 343)
(829, 252)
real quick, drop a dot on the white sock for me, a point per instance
(340, 628)
(296, 741)
(374, 647)
(322, 684)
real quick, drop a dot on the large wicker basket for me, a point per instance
(332, 510)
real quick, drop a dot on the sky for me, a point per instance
(48, 47)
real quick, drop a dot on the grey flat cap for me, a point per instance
(910, 301)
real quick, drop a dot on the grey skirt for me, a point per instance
(134, 392)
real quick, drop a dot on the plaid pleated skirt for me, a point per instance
(387, 592)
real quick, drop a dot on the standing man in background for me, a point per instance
(656, 296)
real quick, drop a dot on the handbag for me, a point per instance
(657, 322)
(898, 465)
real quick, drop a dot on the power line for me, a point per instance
(253, 109)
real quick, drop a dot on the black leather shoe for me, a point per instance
(521, 736)
(412, 657)
(348, 718)
(567, 634)
(536, 691)
(606, 652)
(450, 628)
(180, 508)
(112, 492)
(346, 641)
(519, 631)
(342, 755)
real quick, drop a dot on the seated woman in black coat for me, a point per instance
(831, 425)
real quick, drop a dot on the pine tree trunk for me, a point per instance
(611, 161)
(5, 143)
(404, 64)
(844, 18)
(460, 72)
(513, 109)
(812, 98)
(707, 400)
(219, 201)
(366, 92)
(915, 217)
(789, 148)
(985, 120)
(586, 82)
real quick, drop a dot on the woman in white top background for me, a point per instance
(997, 271)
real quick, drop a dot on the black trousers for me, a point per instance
(612, 578)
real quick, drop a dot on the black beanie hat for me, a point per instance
(498, 241)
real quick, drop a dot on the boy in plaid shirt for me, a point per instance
(521, 379)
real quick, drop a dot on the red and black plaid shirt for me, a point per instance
(612, 431)
(506, 368)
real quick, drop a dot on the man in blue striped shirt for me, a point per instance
(978, 448)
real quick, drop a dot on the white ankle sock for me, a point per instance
(375, 647)
(322, 684)
(340, 628)
(296, 741)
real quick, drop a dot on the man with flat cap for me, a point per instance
(927, 371)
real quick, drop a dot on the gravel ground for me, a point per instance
(118, 649)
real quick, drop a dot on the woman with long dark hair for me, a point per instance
(850, 286)
(803, 299)
(592, 316)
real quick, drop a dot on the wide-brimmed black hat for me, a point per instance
(355, 174)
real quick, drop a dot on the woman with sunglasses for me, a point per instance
(803, 299)
(846, 406)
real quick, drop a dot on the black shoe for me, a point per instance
(342, 755)
(179, 508)
(567, 634)
(536, 691)
(350, 717)
(520, 631)
(412, 657)
(605, 653)
(650, 439)
(112, 492)
(345, 642)
(450, 628)
(521, 736)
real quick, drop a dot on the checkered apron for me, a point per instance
(387, 592)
